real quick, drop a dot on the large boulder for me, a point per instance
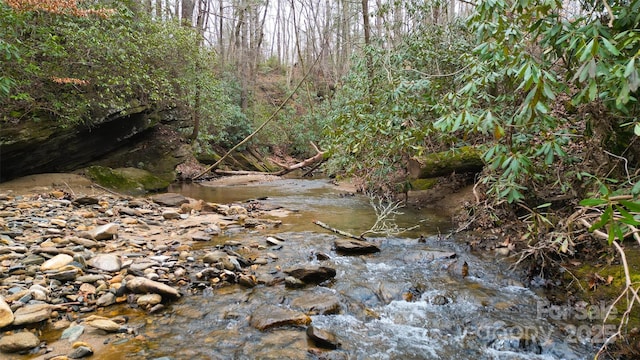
(126, 180)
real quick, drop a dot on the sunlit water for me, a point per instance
(485, 315)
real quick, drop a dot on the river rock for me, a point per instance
(170, 199)
(214, 257)
(106, 299)
(143, 285)
(39, 292)
(106, 262)
(84, 242)
(353, 246)
(317, 304)
(72, 333)
(30, 314)
(85, 200)
(80, 352)
(59, 223)
(103, 324)
(6, 315)
(149, 299)
(271, 316)
(56, 262)
(91, 278)
(274, 241)
(247, 280)
(66, 273)
(322, 338)
(201, 236)
(104, 232)
(293, 283)
(18, 342)
(170, 214)
(312, 274)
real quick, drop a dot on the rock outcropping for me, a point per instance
(38, 147)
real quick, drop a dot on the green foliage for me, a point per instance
(222, 121)
(528, 56)
(375, 123)
(619, 209)
(83, 69)
(8, 52)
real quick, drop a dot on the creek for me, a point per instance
(400, 303)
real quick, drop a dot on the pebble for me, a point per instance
(56, 262)
(72, 333)
(149, 300)
(106, 262)
(103, 324)
(80, 352)
(106, 299)
(104, 232)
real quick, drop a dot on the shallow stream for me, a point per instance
(401, 303)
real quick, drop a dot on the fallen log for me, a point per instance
(315, 160)
(463, 160)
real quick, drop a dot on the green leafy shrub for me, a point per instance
(378, 118)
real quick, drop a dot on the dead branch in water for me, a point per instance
(337, 231)
(385, 223)
(386, 212)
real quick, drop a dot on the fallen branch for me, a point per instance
(273, 116)
(240, 172)
(385, 220)
(386, 217)
(316, 160)
(337, 231)
(310, 171)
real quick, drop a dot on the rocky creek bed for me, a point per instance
(171, 277)
(65, 260)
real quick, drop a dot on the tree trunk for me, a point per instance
(187, 12)
(367, 42)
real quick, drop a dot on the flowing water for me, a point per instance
(400, 303)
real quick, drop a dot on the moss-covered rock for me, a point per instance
(126, 180)
(463, 160)
(159, 151)
(423, 184)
